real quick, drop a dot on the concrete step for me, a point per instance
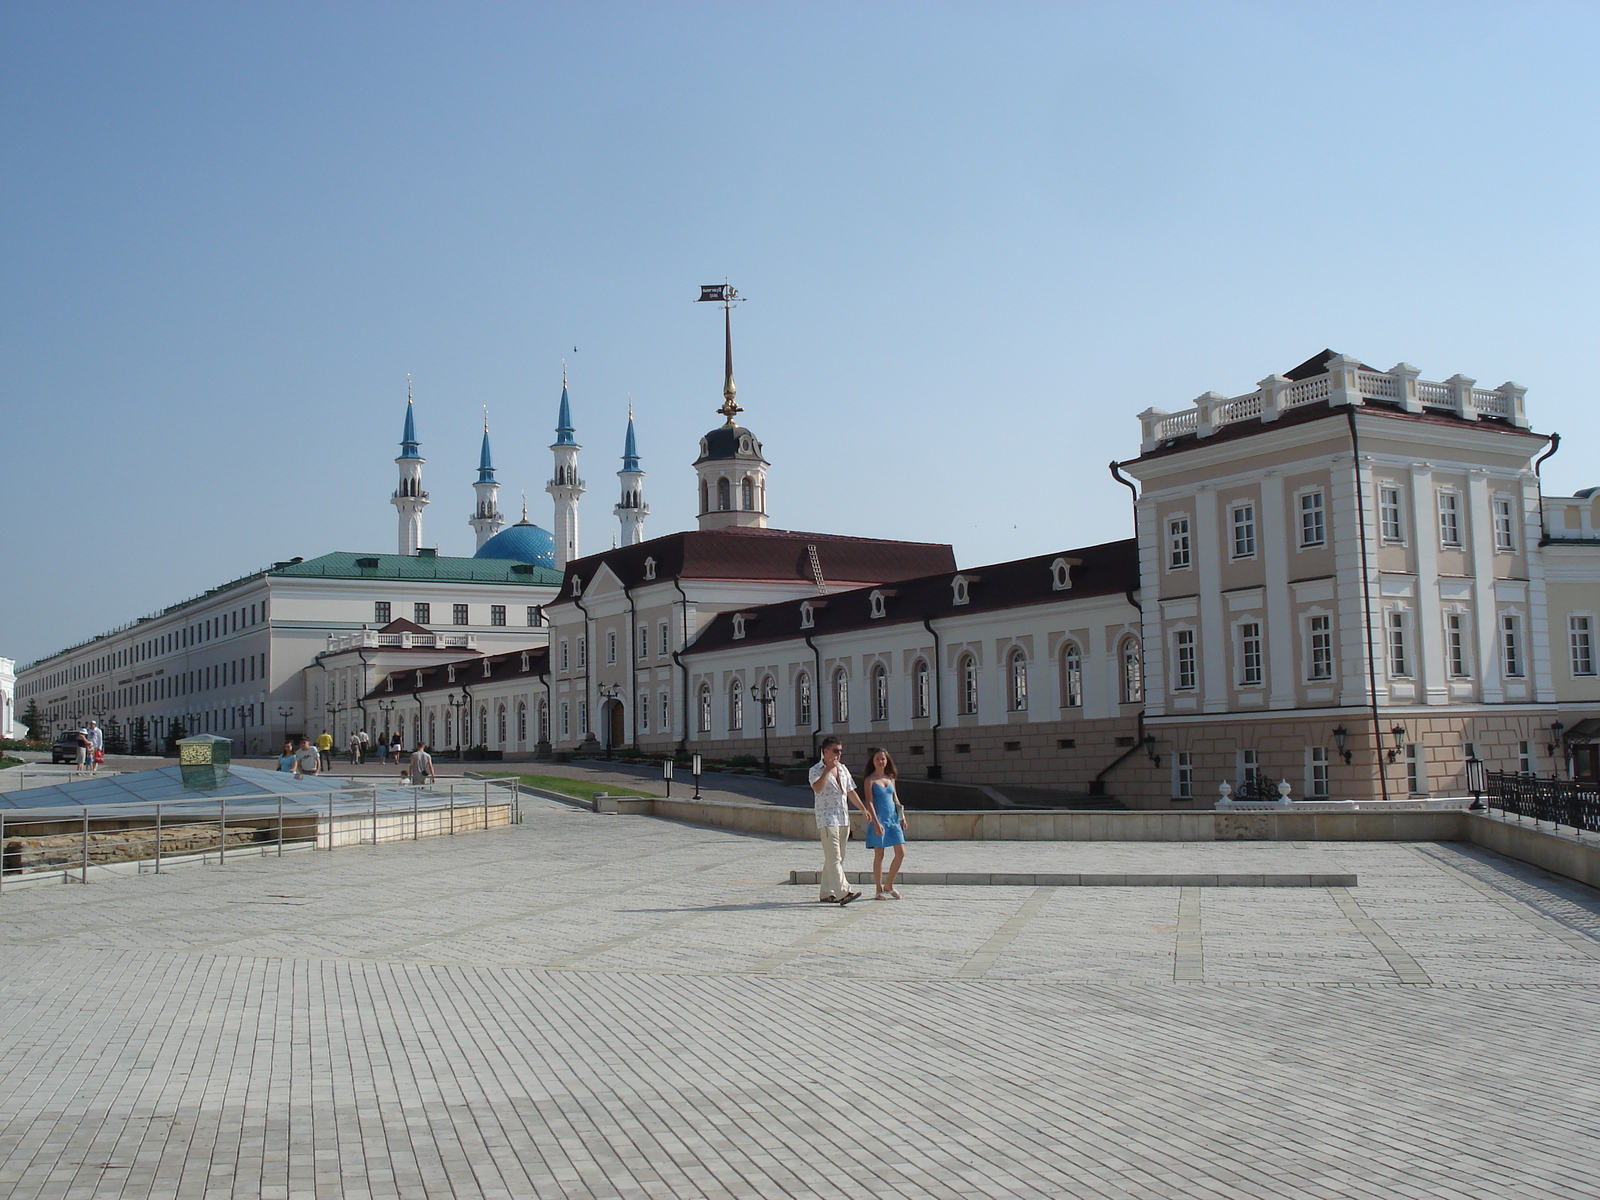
(1012, 879)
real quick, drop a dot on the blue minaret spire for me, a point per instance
(409, 499)
(564, 429)
(486, 520)
(408, 439)
(485, 461)
(565, 486)
(631, 510)
(630, 449)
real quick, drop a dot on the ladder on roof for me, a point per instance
(816, 568)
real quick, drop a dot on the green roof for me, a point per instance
(344, 564)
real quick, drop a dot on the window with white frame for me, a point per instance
(880, 692)
(1455, 645)
(1060, 575)
(738, 626)
(583, 718)
(802, 699)
(1244, 530)
(641, 713)
(1449, 517)
(768, 698)
(1415, 781)
(967, 672)
(921, 692)
(841, 696)
(1319, 646)
(1317, 761)
(562, 655)
(649, 568)
(1183, 775)
(705, 708)
(1071, 676)
(1132, 671)
(666, 640)
(1505, 528)
(1250, 672)
(665, 709)
(1178, 544)
(1184, 675)
(1249, 767)
(876, 600)
(1313, 524)
(522, 721)
(808, 616)
(583, 652)
(644, 641)
(1391, 523)
(566, 719)
(1580, 638)
(1524, 758)
(1017, 675)
(735, 706)
(544, 720)
(959, 592)
(611, 645)
(1398, 643)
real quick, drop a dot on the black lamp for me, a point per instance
(1399, 735)
(1556, 730)
(1340, 736)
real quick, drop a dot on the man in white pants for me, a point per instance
(835, 791)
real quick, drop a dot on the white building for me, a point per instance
(10, 723)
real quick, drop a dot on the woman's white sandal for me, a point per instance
(893, 893)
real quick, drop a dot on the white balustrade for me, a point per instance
(1308, 391)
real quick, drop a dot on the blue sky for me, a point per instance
(976, 241)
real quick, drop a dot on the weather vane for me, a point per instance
(724, 294)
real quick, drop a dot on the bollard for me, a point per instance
(452, 810)
(413, 814)
(86, 845)
(222, 832)
(374, 815)
(280, 826)
(158, 839)
(330, 820)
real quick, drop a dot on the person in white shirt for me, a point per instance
(835, 790)
(307, 759)
(97, 746)
(355, 748)
(420, 768)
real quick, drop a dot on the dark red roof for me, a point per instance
(777, 554)
(1106, 569)
(469, 673)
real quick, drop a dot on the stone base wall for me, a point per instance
(55, 851)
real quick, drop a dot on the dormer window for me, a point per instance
(577, 586)
(390, 682)
(419, 679)
(958, 590)
(877, 604)
(649, 568)
(486, 668)
(808, 615)
(450, 672)
(524, 660)
(744, 445)
(1060, 575)
(738, 626)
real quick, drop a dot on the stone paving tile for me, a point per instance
(623, 1007)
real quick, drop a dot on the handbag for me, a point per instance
(99, 756)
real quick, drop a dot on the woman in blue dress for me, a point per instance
(286, 759)
(878, 780)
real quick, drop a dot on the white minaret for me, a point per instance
(409, 499)
(631, 509)
(486, 520)
(565, 487)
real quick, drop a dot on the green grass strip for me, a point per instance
(580, 789)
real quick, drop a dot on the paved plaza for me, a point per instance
(604, 1006)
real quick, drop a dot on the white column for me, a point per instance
(1155, 658)
(1430, 670)
(1214, 649)
(1480, 534)
(1356, 594)
(1541, 653)
(1272, 542)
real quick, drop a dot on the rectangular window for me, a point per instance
(1524, 758)
(1389, 514)
(1244, 530)
(533, 616)
(583, 653)
(422, 614)
(380, 612)
(1455, 644)
(1505, 534)
(644, 712)
(1178, 544)
(666, 640)
(1321, 629)
(1183, 774)
(1183, 660)
(1449, 519)
(1249, 767)
(1250, 654)
(1313, 528)
(611, 645)
(1399, 657)
(497, 614)
(644, 641)
(1511, 644)
(1317, 771)
(583, 717)
(563, 657)
(666, 714)
(1414, 779)
(458, 614)
(1580, 634)
(566, 719)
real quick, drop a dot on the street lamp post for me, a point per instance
(285, 714)
(766, 697)
(609, 692)
(455, 721)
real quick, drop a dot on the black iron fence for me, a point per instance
(1574, 803)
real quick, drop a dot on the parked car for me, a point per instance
(65, 748)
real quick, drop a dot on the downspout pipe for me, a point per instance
(587, 650)
(1555, 444)
(935, 771)
(816, 696)
(631, 699)
(1366, 605)
(1097, 786)
(677, 658)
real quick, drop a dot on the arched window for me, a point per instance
(522, 721)
(431, 728)
(735, 706)
(1018, 676)
(802, 700)
(841, 696)
(500, 725)
(921, 692)
(1060, 575)
(642, 713)
(449, 729)
(1132, 671)
(705, 497)
(1071, 676)
(769, 702)
(724, 496)
(968, 673)
(483, 725)
(705, 708)
(747, 494)
(880, 693)
(544, 720)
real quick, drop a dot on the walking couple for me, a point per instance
(835, 791)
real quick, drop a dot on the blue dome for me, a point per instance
(522, 542)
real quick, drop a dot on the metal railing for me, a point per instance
(1573, 803)
(68, 844)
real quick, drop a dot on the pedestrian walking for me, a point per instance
(307, 759)
(834, 791)
(286, 759)
(325, 749)
(382, 745)
(366, 744)
(420, 768)
(355, 748)
(880, 781)
(97, 746)
(81, 757)
(397, 746)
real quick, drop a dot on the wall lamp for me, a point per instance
(1341, 735)
(1398, 733)
(1556, 730)
(1150, 750)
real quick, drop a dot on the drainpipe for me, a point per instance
(816, 696)
(677, 658)
(1366, 604)
(633, 670)
(1555, 444)
(588, 652)
(361, 697)
(935, 771)
(1097, 786)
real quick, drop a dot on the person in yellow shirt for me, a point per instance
(325, 749)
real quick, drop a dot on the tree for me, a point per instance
(38, 728)
(174, 732)
(116, 737)
(141, 736)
